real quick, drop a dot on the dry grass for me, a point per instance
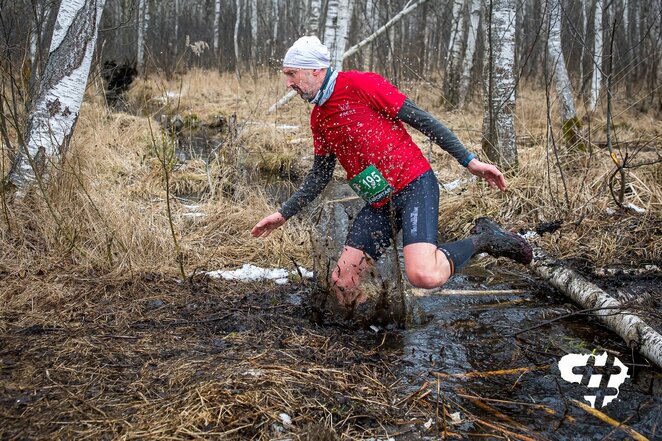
(82, 265)
(113, 179)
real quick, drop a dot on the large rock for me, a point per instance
(389, 298)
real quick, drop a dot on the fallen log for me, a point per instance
(637, 334)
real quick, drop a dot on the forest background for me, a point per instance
(161, 181)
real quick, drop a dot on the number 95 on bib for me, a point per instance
(371, 185)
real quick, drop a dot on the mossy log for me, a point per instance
(637, 334)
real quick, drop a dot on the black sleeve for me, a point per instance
(436, 131)
(313, 184)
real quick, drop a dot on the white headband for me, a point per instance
(307, 53)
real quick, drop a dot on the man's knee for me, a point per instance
(421, 278)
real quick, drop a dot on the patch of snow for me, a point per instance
(635, 208)
(286, 419)
(254, 372)
(456, 418)
(287, 127)
(252, 273)
(454, 185)
(529, 235)
(275, 125)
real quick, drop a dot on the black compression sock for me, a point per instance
(458, 253)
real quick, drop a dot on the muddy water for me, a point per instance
(522, 390)
(474, 333)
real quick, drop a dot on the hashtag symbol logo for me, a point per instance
(602, 375)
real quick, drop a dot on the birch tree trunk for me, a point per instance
(254, 39)
(335, 30)
(454, 55)
(35, 31)
(370, 20)
(467, 64)
(236, 39)
(596, 78)
(314, 15)
(636, 333)
(55, 106)
(146, 18)
(582, 58)
(556, 64)
(275, 6)
(41, 14)
(626, 18)
(217, 27)
(176, 18)
(657, 33)
(140, 57)
(499, 84)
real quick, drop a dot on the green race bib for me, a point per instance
(371, 185)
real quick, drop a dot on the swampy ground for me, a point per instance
(154, 358)
(110, 329)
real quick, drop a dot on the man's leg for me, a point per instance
(426, 266)
(346, 277)
(429, 267)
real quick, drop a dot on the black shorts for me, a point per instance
(414, 210)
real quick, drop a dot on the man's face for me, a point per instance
(306, 82)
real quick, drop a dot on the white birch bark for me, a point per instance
(454, 56)
(499, 84)
(146, 18)
(582, 57)
(626, 18)
(176, 18)
(596, 78)
(35, 29)
(467, 64)
(335, 30)
(314, 17)
(217, 26)
(254, 41)
(371, 23)
(557, 65)
(631, 328)
(275, 6)
(236, 38)
(455, 41)
(140, 57)
(657, 33)
(56, 104)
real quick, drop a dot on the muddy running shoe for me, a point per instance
(492, 239)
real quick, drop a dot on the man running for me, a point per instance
(357, 119)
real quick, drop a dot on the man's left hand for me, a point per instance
(488, 172)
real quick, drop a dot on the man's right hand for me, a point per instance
(267, 225)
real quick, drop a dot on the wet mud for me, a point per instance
(155, 358)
